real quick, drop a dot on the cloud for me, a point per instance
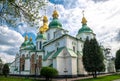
(102, 16)
(10, 42)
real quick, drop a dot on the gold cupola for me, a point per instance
(30, 38)
(84, 21)
(55, 14)
(44, 28)
(26, 38)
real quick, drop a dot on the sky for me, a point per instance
(103, 18)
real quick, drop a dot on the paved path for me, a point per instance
(117, 80)
(79, 78)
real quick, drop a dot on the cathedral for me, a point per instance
(54, 48)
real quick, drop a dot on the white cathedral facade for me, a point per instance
(54, 48)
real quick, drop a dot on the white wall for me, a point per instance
(27, 64)
(83, 36)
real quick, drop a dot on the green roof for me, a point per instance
(85, 29)
(48, 54)
(71, 52)
(57, 52)
(28, 45)
(25, 43)
(51, 65)
(55, 23)
(41, 36)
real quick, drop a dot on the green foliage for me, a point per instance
(5, 70)
(48, 72)
(17, 79)
(1, 65)
(15, 11)
(117, 60)
(93, 57)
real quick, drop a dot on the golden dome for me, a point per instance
(45, 19)
(55, 14)
(84, 21)
(26, 38)
(30, 38)
(44, 28)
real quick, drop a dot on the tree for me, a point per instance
(14, 11)
(93, 57)
(1, 65)
(85, 57)
(48, 72)
(117, 60)
(5, 70)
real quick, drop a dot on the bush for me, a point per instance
(48, 72)
(5, 70)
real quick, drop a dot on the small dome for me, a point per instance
(85, 29)
(41, 36)
(55, 23)
(28, 45)
(24, 43)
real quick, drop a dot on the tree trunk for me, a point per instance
(95, 74)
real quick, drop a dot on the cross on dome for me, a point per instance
(84, 21)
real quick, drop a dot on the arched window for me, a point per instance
(74, 48)
(40, 46)
(23, 68)
(48, 36)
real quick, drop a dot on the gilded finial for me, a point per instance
(30, 38)
(55, 14)
(45, 19)
(84, 21)
(26, 38)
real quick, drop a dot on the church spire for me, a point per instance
(84, 21)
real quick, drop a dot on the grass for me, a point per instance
(17, 79)
(103, 78)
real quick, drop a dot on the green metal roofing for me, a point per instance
(70, 51)
(85, 29)
(51, 65)
(57, 52)
(25, 43)
(55, 23)
(28, 45)
(41, 36)
(48, 54)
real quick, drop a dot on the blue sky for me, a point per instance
(103, 18)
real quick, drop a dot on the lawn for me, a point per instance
(16, 79)
(104, 78)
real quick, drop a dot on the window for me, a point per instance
(57, 48)
(74, 48)
(40, 45)
(23, 67)
(54, 35)
(88, 37)
(37, 45)
(48, 36)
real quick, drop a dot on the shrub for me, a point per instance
(48, 72)
(5, 70)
